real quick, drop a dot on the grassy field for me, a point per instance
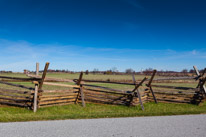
(8, 113)
(98, 77)
(76, 76)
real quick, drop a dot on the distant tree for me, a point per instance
(148, 71)
(95, 71)
(191, 70)
(129, 71)
(184, 71)
(86, 72)
(109, 72)
(114, 69)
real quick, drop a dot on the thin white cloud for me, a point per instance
(18, 55)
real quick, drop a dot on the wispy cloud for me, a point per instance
(18, 55)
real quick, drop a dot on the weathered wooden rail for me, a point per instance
(85, 91)
(176, 94)
(21, 95)
(106, 95)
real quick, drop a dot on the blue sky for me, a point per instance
(79, 35)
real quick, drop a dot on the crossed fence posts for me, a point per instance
(201, 89)
(80, 85)
(38, 88)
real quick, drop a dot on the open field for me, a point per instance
(96, 110)
(191, 83)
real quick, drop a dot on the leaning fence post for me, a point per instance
(44, 75)
(149, 85)
(200, 79)
(136, 89)
(196, 71)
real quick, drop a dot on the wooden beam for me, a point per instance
(62, 85)
(43, 75)
(203, 84)
(11, 98)
(149, 85)
(37, 69)
(138, 85)
(103, 91)
(80, 78)
(14, 104)
(51, 79)
(175, 78)
(15, 91)
(82, 96)
(35, 98)
(152, 77)
(21, 79)
(140, 100)
(16, 85)
(196, 71)
(137, 91)
(101, 87)
(154, 97)
(199, 76)
(100, 81)
(174, 87)
(78, 83)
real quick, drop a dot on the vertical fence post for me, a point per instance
(82, 95)
(38, 87)
(37, 69)
(35, 97)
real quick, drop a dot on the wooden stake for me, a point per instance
(35, 98)
(37, 69)
(137, 91)
(140, 100)
(153, 94)
(82, 95)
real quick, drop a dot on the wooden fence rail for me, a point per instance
(85, 91)
(165, 93)
(22, 96)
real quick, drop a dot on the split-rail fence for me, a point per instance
(88, 91)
